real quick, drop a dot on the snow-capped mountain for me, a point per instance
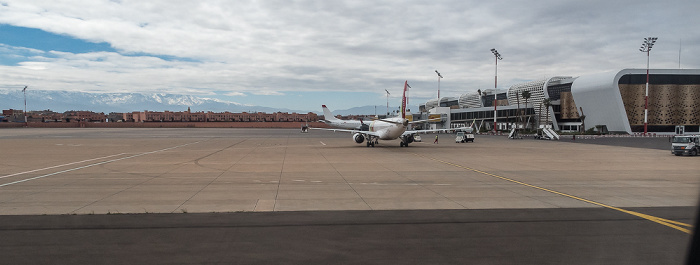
(371, 110)
(60, 101)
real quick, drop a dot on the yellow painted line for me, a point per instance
(670, 223)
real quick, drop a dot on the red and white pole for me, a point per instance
(495, 99)
(495, 92)
(646, 47)
(646, 97)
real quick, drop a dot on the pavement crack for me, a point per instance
(196, 161)
(344, 179)
(279, 181)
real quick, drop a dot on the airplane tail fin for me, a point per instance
(327, 114)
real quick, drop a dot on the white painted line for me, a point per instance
(322, 143)
(96, 164)
(21, 173)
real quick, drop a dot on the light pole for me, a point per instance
(646, 47)
(387, 102)
(495, 90)
(24, 91)
(439, 77)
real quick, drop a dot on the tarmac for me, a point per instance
(595, 203)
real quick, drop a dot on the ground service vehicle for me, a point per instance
(463, 137)
(688, 145)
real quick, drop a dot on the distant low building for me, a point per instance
(44, 116)
(188, 116)
(115, 116)
(13, 115)
(87, 116)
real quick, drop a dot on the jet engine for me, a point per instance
(409, 139)
(358, 137)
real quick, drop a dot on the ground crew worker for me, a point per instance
(436, 139)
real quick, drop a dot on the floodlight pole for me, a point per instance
(646, 47)
(24, 91)
(387, 102)
(495, 92)
(646, 98)
(439, 77)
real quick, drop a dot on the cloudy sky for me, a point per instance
(301, 54)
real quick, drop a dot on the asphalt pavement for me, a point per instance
(278, 196)
(659, 143)
(495, 236)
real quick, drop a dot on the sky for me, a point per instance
(301, 54)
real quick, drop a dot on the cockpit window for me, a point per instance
(682, 139)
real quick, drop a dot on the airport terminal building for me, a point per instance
(610, 101)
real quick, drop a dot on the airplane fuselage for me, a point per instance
(386, 130)
(345, 124)
(342, 124)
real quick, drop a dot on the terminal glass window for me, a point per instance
(555, 91)
(659, 79)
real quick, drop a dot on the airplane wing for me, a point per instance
(335, 130)
(388, 121)
(423, 121)
(431, 131)
(410, 122)
(348, 131)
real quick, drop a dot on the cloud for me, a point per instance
(235, 94)
(7, 49)
(274, 47)
(268, 93)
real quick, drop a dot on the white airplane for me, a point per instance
(342, 124)
(387, 129)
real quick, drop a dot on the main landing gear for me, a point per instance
(371, 142)
(405, 140)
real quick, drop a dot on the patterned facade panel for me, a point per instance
(568, 106)
(433, 103)
(537, 94)
(669, 104)
(663, 105)
(690, 104)
(471, 100)
(536, 89)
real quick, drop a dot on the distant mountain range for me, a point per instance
(60, 101)
(368, 110)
